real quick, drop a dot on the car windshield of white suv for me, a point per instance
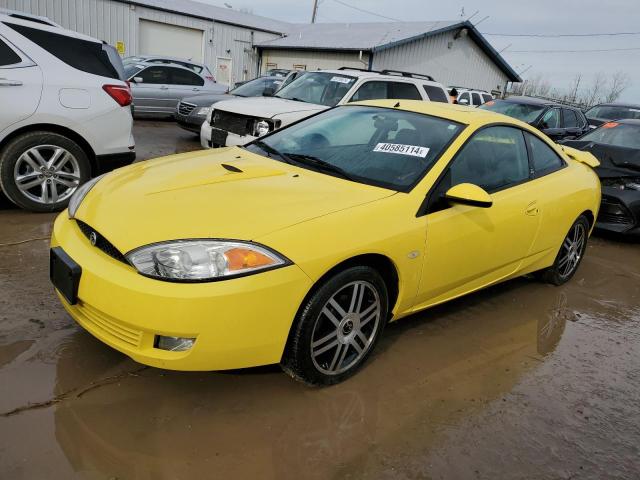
(616, 134)
(378, 146)
(321, 88)
(526, 112)
(611, 112)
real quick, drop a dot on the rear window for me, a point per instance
(435, 94)
(526, 112)
(486, 97)
(83, 55)
(7, 55)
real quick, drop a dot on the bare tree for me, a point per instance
(620, 81)
(575, 86)
(595, 91)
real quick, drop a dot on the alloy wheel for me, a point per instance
(47, 174)
(572, 250)
(346, 328)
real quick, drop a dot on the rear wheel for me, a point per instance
(337, 327)
(39, 171)
(570, 254)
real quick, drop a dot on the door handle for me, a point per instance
(532, 209)
(5, 82)
(196, 89)
(164, 87)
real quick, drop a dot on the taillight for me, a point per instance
(120, 93)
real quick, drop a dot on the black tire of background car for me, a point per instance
(296, 360)
(16, 147)
(552, 274)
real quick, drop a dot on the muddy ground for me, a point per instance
(520, 381)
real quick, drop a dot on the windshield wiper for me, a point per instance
(295, 99)
(319, 163)
(272, 151)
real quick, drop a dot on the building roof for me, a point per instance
(211, 12)
(372, 37)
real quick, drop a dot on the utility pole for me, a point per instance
(315, 11)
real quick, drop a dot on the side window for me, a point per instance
(486, 98)
(7, 55)
(435, 94)
(551, 119)
(494, 158)
(154, 75)
(370, 91)
(464, 99)
(80, 54)
(570, 119)
(402, 90)
(544, 159)
(476, 99)
(184, 77)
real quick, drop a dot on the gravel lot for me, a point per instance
(520, 381)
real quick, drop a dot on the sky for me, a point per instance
(546, 17)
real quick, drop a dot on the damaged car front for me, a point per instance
(617, 146)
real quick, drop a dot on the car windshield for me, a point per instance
(255, 87)
(613, 112)
(321, 88)
(377, 146)
(522, 111)
(617, 134)
(131, 69)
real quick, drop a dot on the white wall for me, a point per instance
(451, 62)
(313, 60)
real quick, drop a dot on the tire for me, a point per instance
(337, 327)
(39, 171)
(570, 254)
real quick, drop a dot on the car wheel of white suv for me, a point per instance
(39, 171)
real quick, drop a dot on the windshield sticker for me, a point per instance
(413, 150)
(610, 125)
(341, 79)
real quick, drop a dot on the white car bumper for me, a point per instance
(232, 139)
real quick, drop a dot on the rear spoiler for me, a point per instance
(580, 156)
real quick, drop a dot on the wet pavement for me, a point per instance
(519, 381)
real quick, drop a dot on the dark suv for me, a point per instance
(606, 112)
(559, 122)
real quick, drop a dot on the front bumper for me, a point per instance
(191, 123)
(238, 323)
(232, 139)
(619, 211)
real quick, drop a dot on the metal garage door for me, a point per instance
(163, 39)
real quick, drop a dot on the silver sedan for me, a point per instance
(157, 89)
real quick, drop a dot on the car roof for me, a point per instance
(8, 19)
(457, 113)
(163, 57)
(372, 74)
(146, 64)
(531, 101)
(29, 17)
(617, 104)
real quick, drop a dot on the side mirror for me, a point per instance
(268, 92)
(464, 101)
(469, 194)
(138, 80)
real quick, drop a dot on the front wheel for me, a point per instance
(570, 254)
(337, 327)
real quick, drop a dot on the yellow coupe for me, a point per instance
(299, 247)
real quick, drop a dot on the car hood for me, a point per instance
(267, 107)
(193, 195)
(615, 162)
(208, 100)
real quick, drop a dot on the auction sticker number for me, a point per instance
(341, 79)
(413, 150)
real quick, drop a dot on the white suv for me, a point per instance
(240, 121)
(472, 98)
(64, 112)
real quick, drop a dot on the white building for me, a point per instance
(237, 46)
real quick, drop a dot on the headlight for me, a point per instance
(203, 111)
(210, 116)
(203, 260)
(261, 127)
(80, 193)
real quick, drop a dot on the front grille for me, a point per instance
(101, 242)
(185, 108)
(107, 326)
(233, 122)
(613, 211)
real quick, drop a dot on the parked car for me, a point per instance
(199, 68)
(557, 121)
(240, 121)
(64, 112)
(277, 72)
(606, 112)
(473, 98)
(157, 89)
(192, 111)
(315, 236)
(617, 146)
